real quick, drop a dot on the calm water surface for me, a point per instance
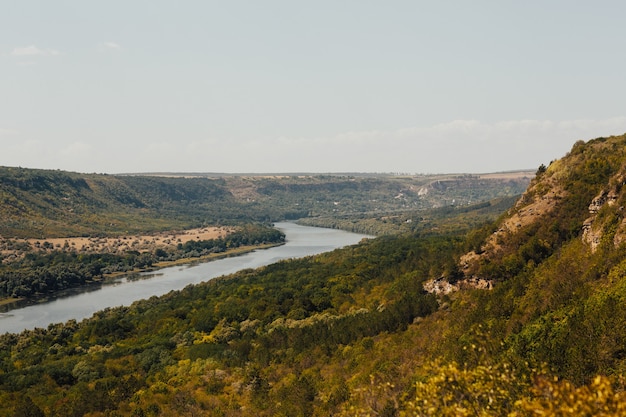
(82, 303)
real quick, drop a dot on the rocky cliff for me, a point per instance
(581, 196)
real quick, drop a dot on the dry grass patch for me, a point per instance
(12, 248)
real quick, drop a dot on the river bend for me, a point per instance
(81, 303)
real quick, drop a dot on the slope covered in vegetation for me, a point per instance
(353, 332)
(45, 204)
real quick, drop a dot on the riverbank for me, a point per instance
(242, 250)
(81, 303)
(38, 272)
(10, 300)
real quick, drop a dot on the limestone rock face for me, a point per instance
(594, 227)
(441, 286)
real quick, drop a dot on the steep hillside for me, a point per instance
(581, 194)
(557, 263)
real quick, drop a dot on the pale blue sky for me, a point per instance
(319, 86)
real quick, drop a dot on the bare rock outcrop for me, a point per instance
(441, 286)
(541, 197)
(593, 229)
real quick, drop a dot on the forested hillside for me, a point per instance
(354, 332)
(46, 204)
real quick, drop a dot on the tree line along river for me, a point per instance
(81, 303)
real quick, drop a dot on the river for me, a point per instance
(81, 303)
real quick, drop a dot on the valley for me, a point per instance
(354, 331)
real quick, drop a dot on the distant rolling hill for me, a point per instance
(51, 203)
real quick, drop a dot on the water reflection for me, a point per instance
(138, 276)
(42, 299)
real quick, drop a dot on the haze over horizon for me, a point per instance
(279, 86)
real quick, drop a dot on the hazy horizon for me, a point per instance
(323, 87)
